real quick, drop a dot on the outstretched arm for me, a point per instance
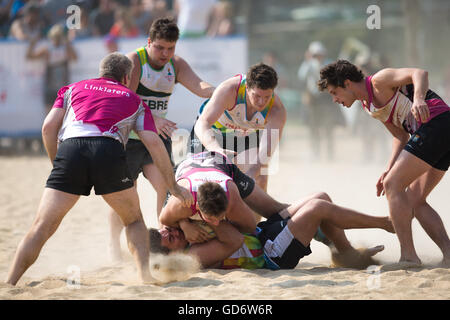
(270, 139)
(188, 78)
(161, 159)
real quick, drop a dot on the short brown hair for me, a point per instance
(337, 72)
(164, 28)
(115, 66)
(155, 242)
(212, 199)
(262, 76)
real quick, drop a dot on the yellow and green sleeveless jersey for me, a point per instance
(235, 120)
(155, 86)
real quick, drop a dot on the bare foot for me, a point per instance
(401, 265)
(355, 258)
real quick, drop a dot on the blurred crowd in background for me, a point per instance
(296, 37)
(30, 19)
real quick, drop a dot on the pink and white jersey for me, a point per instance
(196, 177)
(398, 109)
(102, 107)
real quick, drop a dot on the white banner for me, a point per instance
(21, 81)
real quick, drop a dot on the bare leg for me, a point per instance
(53, 207)
(406, 169)
(115, 229)
(158, 182)
(429, 219)
(126, 204)
(333, 219)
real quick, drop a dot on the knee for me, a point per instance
(42, 230)
(317, 207)
(416, 200)
(322, 196)
(135, 217)
(391, 185)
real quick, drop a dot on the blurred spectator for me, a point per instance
(157, 8)
(193, 16)
(124, 25)
(270, 58)
(446, 85)
(55, 11)
(111, 44)
(30, 25)
(221, 21)
(57, 54)
(323, 115)
(5, 8)
(102, 18)
(85, 30)
(140, 16)
(17, 8)
(371, 133)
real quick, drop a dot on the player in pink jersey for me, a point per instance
(419, 121)
(85, 134)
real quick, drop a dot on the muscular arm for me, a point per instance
(50, 129)
(223, 98)
(213, 252)
(173, 212)
(188, 78)
(161, 159)
(135, 71)
(271, 137)
(386, 81)
(238, 213)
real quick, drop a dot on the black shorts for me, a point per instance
(138, 155)
(83, 163)
(431, 142)
(284, 252)
(230, 142)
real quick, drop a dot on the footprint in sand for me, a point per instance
(403, 265)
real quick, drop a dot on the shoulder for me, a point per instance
(133, 56)
(278, 110)
(231, 84)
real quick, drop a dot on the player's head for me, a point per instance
(162, 38)
(212, 202)
(166, 240)
(338, 79)
(261, 82)
(115, 66)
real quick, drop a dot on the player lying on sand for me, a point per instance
(277, 243)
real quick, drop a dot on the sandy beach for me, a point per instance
(78, 250)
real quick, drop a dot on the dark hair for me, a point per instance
(115, 66)
(212, 199)
(262, 76)
(155, 242)
(164, 28)
(337, 72)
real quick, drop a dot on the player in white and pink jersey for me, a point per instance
(214, 183)
(419, 120)
(92, 120)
